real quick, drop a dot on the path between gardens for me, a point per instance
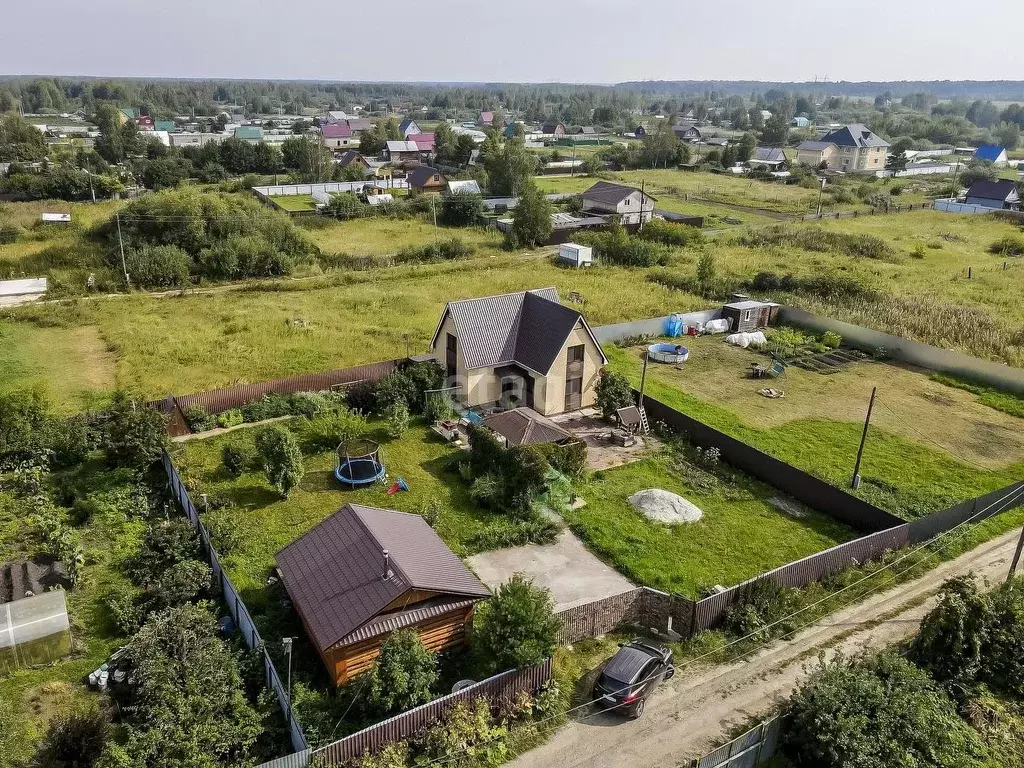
(695, 712)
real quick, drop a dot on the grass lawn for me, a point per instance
(739, 536)
(267, 522)
(374, 236)
(907, 467)
(30, 697)
(294, 203)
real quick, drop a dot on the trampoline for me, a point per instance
(359, 463)
(668, 353)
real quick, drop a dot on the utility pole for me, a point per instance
(1016, 556)
(643, 378)
(864, 436)
(120, 242)
(820, 193)
(643, 199)
(287, 643)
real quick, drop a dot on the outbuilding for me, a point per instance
(746, 314)
(575, 254)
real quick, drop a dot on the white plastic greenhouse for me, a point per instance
(34, 630)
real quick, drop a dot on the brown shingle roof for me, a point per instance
(335, 572)
(524, 426)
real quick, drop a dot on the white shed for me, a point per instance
(577, 255)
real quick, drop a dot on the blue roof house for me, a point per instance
(992, 153)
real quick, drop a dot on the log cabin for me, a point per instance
(365, 572)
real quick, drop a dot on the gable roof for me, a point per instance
(420, 176)
(769, 155)
(611, 194)
(989, 152)
(486, 117)
(165, 125)
(408, 126)
(468, 186)
(402, 146)
(248, 132)
(854, 135)
(425, 141)
(335, 573)
(335, 131)
(588, 129)
(350, 156)
(528, 328)
(992, 190)
(524, 426)
(360, 123)
(814, 146)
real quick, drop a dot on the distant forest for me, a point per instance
(998, 90)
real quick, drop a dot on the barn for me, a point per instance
(365, 572)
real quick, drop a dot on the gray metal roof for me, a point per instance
(335, 573)
(524, 426)
(528, 327)
(814, 146)
(855, 135)
(419, 176)
(769, 155)
(611, 194)
(992, 190)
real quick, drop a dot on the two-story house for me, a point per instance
(851, 149)
(632, 205)
(519, 349)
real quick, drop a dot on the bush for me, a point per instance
(132, 434)
(437, 409)
(199, 420)
(185, 582)
(397, 387)
(820, 241)
(612, 393)
(517, 627)
(952, 636)
(666, 233)
(402, 675)
(74, 739)
(396, 419)
(462, 209)
(125, 607)
(616, 246)
(761, 614)
(1010, 245)
(879, 710)
(236, 457)
(831, 339)
(70, 440)
(327, 431)
(362, 397)
(570, 458)
(158, 266)
(444, 250)
(541, 530)
(270, 406)
(23, 418)
(164, 544)
(230, 418)
(282, 459)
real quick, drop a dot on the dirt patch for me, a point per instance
(791, 507)
(665, 507)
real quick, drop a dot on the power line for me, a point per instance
(942, 448)
(690, 662)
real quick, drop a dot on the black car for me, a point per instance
(631, 675)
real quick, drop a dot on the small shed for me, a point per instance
(749, 315)
(575, 254)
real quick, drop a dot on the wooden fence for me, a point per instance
(500, 688)
(226, 398)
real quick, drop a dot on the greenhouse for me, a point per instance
(34, 630)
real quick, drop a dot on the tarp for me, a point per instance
(754, 339)
(717, 326)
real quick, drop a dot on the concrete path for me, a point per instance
(565, 567)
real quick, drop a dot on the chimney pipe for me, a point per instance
(388, 573)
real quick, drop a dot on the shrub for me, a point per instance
(613, 392)
(226, 530)
(1010, 245)
(70, 440)
(461, 209)
(879, 710)
(437, 409)
(199, 420)
(23, 417)
(362, 397)
(158, 266)
(282, 459)
(396, 419)
(164, 544)
(327, 431)
(666, 233)
(540, 530)
(132, 434)
(74, 739)
(706, 273)
(831, 339)
(125, 607)
(755, 616)
(184, 582)
(466, 737)
(310, 404)
(402, 675)
(950, 642)
(517, 627)
(270, 406)
(570, 458)
(397, 387)
(444, 250)
(820, 240)
(616, 246)
(230, 418)
(236, 457)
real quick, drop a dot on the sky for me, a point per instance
(600, 41)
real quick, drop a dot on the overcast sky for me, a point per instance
(597, 41)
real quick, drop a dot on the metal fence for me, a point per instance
(870, 212)
(601, 616)
(237, 608)
(753, 748)
(502, 687)
(226, 398)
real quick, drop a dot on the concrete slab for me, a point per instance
(566, 567)
(602, 453)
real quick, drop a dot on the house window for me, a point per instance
(746, 315)
(576, 354)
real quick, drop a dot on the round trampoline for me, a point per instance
(358, 463)
(668, 353)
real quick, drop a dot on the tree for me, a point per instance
(745, 148)
(531, 219)
(402, 675)
(20, 141)
(133, 434)
(706, 273)
(612, 393)
(875, 711)
(896, 161)
(164, 545)
(1003, 655)
(345, 205)
(775, 131)
(953, 634)
(517, 627)
(166, 172)
(282, 459)
(1008, 135)
(509, 166)
(463, 209)
(74, 739)
(188, 709)
(661, 148)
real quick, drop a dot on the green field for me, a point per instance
(294, 203)
(739, 536)
(377, 236)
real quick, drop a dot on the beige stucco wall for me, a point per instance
(814, 158)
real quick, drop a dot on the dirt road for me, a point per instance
(691, 714)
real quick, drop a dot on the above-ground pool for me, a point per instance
(359, 463)
(668, 353)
